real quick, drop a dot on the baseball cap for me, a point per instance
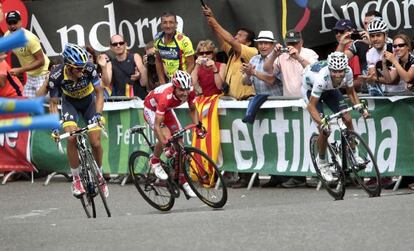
(13, 16)
(343, 24)
(293, 36)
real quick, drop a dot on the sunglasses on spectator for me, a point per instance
(13, 22)
(399, 45)
(115, 44)
(205, 53)
(292, 43)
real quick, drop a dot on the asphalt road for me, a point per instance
(37, 217)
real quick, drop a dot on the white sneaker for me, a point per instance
(159, 171)
(359, 160)
(325, 170)
(188, 190)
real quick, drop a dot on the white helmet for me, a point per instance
(337, 61)
(377, 25)
(182, 79)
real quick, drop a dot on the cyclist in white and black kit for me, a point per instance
(320, 84)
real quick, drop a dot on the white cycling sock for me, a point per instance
(75, 172)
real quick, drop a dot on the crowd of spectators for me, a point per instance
(255, 68)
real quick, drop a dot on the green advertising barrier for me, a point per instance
(277, 143)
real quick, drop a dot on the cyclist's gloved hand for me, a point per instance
(201, 131)
(55, 134)
(325, 128)
(99, 118)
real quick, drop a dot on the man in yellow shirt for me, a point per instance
(174, 50)
(239, 49)
(31, 57)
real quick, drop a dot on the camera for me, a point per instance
(151, 59)
(284, 50)
(355, 35)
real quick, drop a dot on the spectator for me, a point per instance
(10, 86)
(343, 30)
(402, 71)
(31, 57)
(174, 50)
(208, 74)
(288, 64)
(359, 49)
(149, 63)
(125, 72)
(1, 13)
(378, 31)
(263, 88)
(239, 50)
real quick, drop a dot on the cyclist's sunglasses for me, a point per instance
(115, 44)
(12, 22)
(78, 68)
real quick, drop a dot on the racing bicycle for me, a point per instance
(200, 171)
(88, 170)
(350, 157)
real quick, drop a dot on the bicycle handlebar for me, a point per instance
(328, 118)
(78, 132)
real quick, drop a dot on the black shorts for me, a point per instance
(333, 99)
(72, 107)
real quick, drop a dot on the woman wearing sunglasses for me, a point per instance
(401, 73)
(208, 75)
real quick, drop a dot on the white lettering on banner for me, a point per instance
(119, 134)
(280, 126)
(399, 11)
(10, 138)
(309, 127)
(36, 28)
(260, 129)
(140, 24)
(77, 28)
(240, 145)
(388, 146)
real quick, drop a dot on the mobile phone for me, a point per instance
(203, 3)
(242, 60)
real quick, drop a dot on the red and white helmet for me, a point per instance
(182, 79)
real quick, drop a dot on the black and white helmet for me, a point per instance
(337, 61)
(182, 79)
(377, 25)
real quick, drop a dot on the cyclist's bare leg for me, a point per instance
(95, 140)
(72, 151)
(322, 143)
(348, 121)
(159, 145)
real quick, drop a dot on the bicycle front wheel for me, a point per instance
(204, 177)
(94, 171)
(154, 191)
(363, 164)
(335, 188)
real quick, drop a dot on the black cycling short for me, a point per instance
(332, 98)
(72, 107)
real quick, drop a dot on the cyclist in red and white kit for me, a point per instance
(160, 116)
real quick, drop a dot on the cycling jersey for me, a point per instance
(317, 79)
(174, 53)
(162, 99)
(58, 80)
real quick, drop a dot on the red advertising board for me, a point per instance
(15, 150)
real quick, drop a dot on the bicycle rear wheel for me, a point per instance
(204, 177)
(94, 172)
(154, 191)
(335, 188)
(362, 160)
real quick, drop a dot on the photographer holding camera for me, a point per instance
(149, 63)
(208, 74)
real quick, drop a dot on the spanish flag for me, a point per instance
(208, 115)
